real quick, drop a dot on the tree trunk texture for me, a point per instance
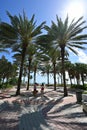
(63, 70)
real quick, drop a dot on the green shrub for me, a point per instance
(5, 85)
(0, 86)
(84, 92)
(79, 86)
(13, 81)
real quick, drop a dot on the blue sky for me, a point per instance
(46, 10)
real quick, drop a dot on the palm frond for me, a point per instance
(80, 37)
(73, 50)
(78, 46)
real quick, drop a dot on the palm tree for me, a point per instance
(31, 51)
(54, 55)
(35, 64)
(46, 68)
(49, 53)
(19, 34)
(67, 36)
(69, 67)
(81, 69)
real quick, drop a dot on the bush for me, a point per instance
(13, 81)
(79, 86)
(84, 92)
(0, 86)
(5, 85)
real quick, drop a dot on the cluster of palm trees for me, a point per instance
(77, 72)
(33, 49)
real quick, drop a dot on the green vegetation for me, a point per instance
(8, 73)
(84, 92)
(5, 86)
(46, 53)
(79, 86)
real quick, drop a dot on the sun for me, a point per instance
(75, 9)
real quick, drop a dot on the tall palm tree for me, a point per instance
(45, 69)
(66, 36)
(54, 55)
(20, 33)
(69, 67)
(31, 52)
(48, 52)
(35, 64)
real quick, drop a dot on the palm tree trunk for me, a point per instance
(82, 77)
(61, 79)
(47, 78)
(54, 76)
(34, 75)
(77, 78)
(63, 70)
(70, 80)
(20, 73)
(3, 79)
(29, 75)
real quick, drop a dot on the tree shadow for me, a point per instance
(9, 115)
(64, 116)
(61, 124)
(63, 108)
(33, 121)
(4, 96)
(7, 124)
(74, 115)
(50, 105)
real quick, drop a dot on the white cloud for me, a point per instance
(82, 56)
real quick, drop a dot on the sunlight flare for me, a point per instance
(75, 9)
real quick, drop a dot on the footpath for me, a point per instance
(51, 111)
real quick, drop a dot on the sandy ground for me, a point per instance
(61, 113)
